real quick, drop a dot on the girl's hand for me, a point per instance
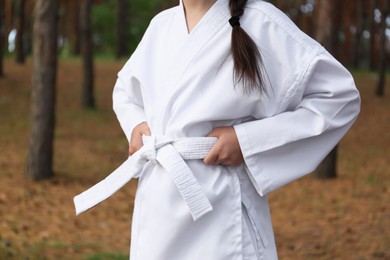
(226, 150)
(136, 137)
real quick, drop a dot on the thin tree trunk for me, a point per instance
(327, 28)
(40, 155)
(328, 167)
(87, 97)
(2, 36)
(329, 19)
(122, 28)
(357, 50)
(350, 30)
(324, 26)
(380, 90)
(73, 11)
(337, 19)
(374, 43)
(20, 21)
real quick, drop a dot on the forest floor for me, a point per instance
(344, 218)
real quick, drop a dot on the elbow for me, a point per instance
(358, 103)
(354, 104)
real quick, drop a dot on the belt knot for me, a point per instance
(170, 154)
(151, 144)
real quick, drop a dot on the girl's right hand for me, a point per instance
(136, 137)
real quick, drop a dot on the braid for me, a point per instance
(246, 55)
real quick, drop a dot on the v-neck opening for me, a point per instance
(204, 17)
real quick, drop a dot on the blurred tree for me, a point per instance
(306, 17)
(87, 98)
(2, 36)
(329, 19)
(349, 29)
(9, 16)
(380, 90)
(374, 35)
(40, 153)
(71, 24)
(122, 26)
(355, 31)
(20, 24)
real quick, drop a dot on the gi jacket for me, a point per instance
(182, 85)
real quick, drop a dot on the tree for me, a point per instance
(2, 35)
(122, 26)
(72, 11)
(40, 153)
(329, 17)
(356, 49)
(20, 21)
(328, 25)
(350, 29)
(87, 97)
(380, 90)
(374, 35)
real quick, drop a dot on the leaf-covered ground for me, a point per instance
(345, 218)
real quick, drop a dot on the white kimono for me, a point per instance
(181, 84)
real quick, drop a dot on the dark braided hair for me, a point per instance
(246, 55)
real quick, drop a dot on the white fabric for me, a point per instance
(249, 250)
(170, 154)
(182, 85)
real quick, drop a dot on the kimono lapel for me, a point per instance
(216, 17)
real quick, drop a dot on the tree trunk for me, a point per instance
(380, 90)
(122, 29)
(328, 25)
(329, 19)
(350, 30)
(40, 155)
(323, 25)
(20, 21)
(2, 36)
(73, 11)
(357, 50)
(87, 98)
(374, 40)
(328, 167)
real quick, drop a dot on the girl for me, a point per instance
(238, 102)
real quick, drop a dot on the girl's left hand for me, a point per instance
(226, 150)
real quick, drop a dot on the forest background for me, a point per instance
(340, 212)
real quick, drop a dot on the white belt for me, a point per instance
(170, 154)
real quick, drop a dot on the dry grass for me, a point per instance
(346, 218)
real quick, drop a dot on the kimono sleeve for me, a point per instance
(127, 100)
(285, 147)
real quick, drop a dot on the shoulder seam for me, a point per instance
(299, 78)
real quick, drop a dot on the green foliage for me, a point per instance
(104, 24)
(104, 21)
(65, 51)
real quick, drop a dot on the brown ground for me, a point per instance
(346, 218)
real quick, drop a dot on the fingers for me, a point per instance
(212, 157)
(136, 143)
(145, 130)
(136, 137)
(216, 132)
(226, 150)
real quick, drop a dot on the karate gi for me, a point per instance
(182, 85)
